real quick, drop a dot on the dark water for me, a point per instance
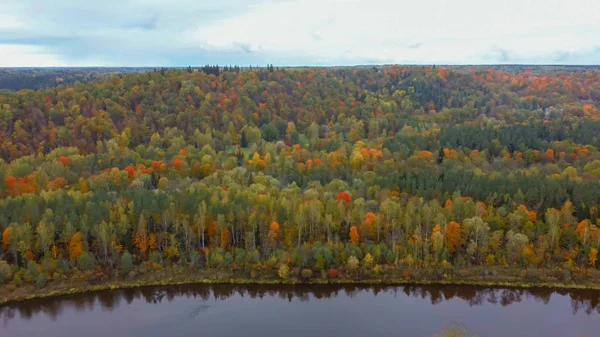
(274, 311)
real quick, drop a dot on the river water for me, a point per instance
(315, 310)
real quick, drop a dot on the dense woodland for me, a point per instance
(276, 171)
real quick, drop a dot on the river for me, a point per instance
(315, 310)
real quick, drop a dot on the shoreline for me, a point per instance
(56, 289)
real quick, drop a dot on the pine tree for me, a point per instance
(244, 141)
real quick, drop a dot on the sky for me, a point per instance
(297, 32)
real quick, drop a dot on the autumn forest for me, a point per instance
(392, 173)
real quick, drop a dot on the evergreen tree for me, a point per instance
(244, 141)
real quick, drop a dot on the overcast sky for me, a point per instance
(297, 32)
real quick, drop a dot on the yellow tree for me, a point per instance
(273, 233)
(437, 241)
(354, 237)
(225, 238)
(6, 235)
(140, 238)
(75, 246)
(453, 235)
(593, 257)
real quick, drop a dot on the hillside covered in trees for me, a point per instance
(302, 173)
(15, 79)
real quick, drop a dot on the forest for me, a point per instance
(302, 174)
(15, 79)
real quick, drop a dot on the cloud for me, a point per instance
(27, 56)
(298, 32)
(146, 22)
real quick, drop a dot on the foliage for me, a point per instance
(352, 263)
(76, 246)
(328, 168)
(86, 261)
(5, 272)
(126, 263)
(284, 272)
(41, 280)
(306, 273)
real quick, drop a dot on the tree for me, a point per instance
(368, 261)
(583, 231)
(86, 261)
(343, 196)
(6, 238)
(76, 246)
(441, 155)
(126, 263)
(354, 237)
(10, 238)
(5, 272)
(352, 263)
(437, 242)
(105, 233)
(83, 187)
(225, 238)
(453, 236)
(244, 141)
(284, 272)
(273, 233)
(270, 132)
(593, 257)
(478, 232)
(140, 237)
(515, 243)
(391, 211)
(23, 239)
(553, 221)
(45, 233)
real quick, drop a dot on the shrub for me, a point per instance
(64, 266)
(240, 258)
(86, 261)
(332, 273)
(156, 258)
(194, 256)
(368, 261)
(306, 273)
(284, 272)
(48, 265)
(5, 272)
(17, 279)
(446, 265)
(352, 263)
(320, 264)
(463, 272)
(389, 257)
(216, 260)
(227, 261)
(41, 280)
(409, 260)
(126, 263)
(143, 268)
(33, 269)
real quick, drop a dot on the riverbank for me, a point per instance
(476, 276)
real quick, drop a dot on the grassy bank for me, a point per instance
(483, 277)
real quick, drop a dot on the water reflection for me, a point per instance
(581, 300)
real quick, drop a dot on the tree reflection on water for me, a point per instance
(581, 300)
